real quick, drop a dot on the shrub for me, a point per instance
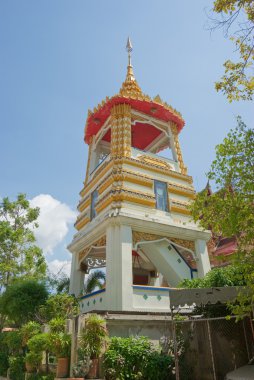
(4, 364)
(94, 335)
(28, 330)
(13, 341)
(136, 359)
(38, 343)
(57, 325)
(60, 344)
(17, 369)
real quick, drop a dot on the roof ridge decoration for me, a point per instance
(130, 93)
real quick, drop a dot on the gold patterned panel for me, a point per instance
(101, 242)
(121, 130)
(138, 236)
(155, 168)
(155, 161)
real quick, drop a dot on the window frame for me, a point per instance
(165, 194)
(94, 195)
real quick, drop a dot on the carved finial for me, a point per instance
(130, 74)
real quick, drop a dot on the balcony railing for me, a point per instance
(136, 153)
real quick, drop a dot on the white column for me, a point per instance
(77, 277)
(119, 268)
(203, 262)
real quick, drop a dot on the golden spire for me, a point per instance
(130, 86)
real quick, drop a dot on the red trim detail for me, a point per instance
(97, 119)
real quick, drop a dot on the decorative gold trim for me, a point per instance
(84, 203)
(138, 236)
(155, 161)
(105, 184)
(81, 223)
(101, 242)
(121, 130)
(174, 130)
(108, 165)
(89, 158)
(155, 168)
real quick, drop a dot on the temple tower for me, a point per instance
(133, 210)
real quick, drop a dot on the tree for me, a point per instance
(95, 280)
(21, 301)
(230, 210)
(238, 81)
(60, 306)
(19, 256)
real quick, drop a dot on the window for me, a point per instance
(161, 195)
(94, 199)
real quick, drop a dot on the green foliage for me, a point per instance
(96, 279)
(57, 325)
(230, 210)
(136, 359)
(238, 81)
(94, 335)
(34, 359)
(38, 343)
(13, 341)
(4, 354)
(17, 367)
(60, 344)
(58, 283)
(28, 330)
(21, 300)
(59, 305)
(82, 367)
(37, 376)
(19, 256)
(217, 277)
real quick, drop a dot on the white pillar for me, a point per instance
(119, 268)
(203, 262)
(77, 277)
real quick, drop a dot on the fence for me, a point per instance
(207, 349)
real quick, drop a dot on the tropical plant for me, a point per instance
(38, 343)
(57, 325)
(238, 81)
(19, 256)
(21, 300)
(94, 335)
(34, 360)
(60, 344)
(217, 277)
(81, 368)
(135, 358)
(28, 330)
(58, 305)
(17, 367)
(95, 280)
(230, 210)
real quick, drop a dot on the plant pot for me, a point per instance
(93, 369)
(75, 378)
(62, 369)
(29, 368)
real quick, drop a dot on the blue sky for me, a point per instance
(61, 57)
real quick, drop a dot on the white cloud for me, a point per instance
(56, 266)
(54, 220)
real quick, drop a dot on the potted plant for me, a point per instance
(81, 369)
(93, 340)
(60, 345)
(33, 361)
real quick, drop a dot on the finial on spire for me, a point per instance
(129, 50)
(130, 74)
